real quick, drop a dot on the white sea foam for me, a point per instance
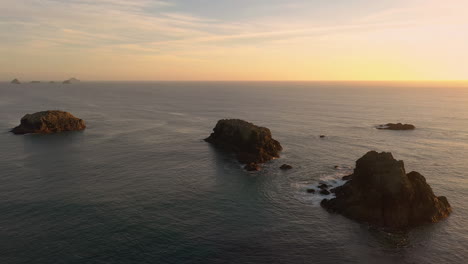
(332, 180)
(177, 114)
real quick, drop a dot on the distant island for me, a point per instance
(71, 81)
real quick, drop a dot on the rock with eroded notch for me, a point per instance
(381, 193)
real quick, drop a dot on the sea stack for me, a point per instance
(252, 144)
(15, 81)
(381, 193)
(48, 122)
(71, 81)
(398, 126)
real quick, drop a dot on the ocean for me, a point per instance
(140, 185)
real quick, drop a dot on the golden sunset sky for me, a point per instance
(234, 40)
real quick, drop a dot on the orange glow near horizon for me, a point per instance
(119, 40)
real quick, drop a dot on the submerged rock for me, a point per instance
(322, 186)
(252, 167)
(399, 126)
(47, 122)
(323, 136)
(380, 193)
(286, 167)
(346, 178)
(324, 192)
(311, 190)
(15, 81)
(71, 81)
(250, 143)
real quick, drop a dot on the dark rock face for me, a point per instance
(15, 81)
(399, 126)
(380, 193)
(250, 143)
(286, 167)
(47, 122)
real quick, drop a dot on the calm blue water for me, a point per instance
(140, 185)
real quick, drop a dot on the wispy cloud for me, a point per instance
(142, 29)
(428, 11)
(126, 23)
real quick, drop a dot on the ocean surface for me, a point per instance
(140, 185)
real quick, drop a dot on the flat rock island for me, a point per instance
(47, 122)
(251, 144)
(381, 193)
(398, 126)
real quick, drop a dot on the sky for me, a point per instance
(234, 39)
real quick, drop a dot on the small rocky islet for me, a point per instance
(15, 81)
(397, 126)
(382, 194)
(47, 122)
(252, 145)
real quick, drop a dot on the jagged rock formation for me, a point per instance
(71, 81)
(15, 81)
(398, 126)
(380, 193)
(251, 144)
(47, 122)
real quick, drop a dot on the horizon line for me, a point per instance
(168, 80)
